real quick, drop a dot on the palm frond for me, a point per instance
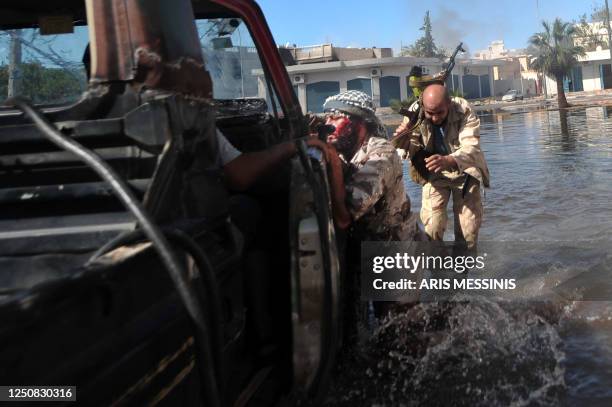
(557, 52)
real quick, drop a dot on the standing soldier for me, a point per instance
(446, 158)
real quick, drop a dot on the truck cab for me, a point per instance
(253, 317)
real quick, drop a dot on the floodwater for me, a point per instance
(548, 217)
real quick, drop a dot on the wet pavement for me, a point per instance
(551, 177)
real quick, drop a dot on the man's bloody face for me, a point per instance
(346, 136)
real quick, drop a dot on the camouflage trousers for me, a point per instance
(467, 210)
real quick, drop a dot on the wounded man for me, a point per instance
(366, 177)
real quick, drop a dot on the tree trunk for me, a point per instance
(561, 92)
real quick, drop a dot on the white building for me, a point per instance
(379, 74)
(594, 71)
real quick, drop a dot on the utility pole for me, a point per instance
(608, 30)
(14, 70)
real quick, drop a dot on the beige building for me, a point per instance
(516, 73)
(593, 73)
(497, 50)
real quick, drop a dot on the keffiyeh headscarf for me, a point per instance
(356, 103)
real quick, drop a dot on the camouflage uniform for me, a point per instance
(376, 196)
(462, 139)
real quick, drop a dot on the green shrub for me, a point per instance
(396, 105)
(456, 93)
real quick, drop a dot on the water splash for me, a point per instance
(468, 352)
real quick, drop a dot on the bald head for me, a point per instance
(436, 101)
(434, 95)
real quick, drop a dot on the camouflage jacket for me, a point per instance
(375, 194)
(462, 139)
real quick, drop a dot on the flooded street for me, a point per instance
(548, 213)
(552, 183)
(552, 175)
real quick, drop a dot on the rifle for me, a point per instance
(451, 61)
(416, 151)
(415, 116)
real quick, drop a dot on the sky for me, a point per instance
(392, 23)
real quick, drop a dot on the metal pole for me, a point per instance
(609, 31)
(14, 71)
(240, 57)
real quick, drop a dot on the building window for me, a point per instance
(362, 84)
(317, 92)
(389, 90)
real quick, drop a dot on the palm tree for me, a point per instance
(557, 53)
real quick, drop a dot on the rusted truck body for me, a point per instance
(84, 299)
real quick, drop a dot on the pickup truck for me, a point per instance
(125, 274)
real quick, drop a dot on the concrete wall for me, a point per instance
(345, 74)
(351, 54)
(529, 87)
(530, 81)
(524, 63)
(551, 86)
(510, 70)
(503, 85)
(472, 70)
(591, 78)
(315, 53)
(599, 55)
(383, 52)
(327, 52)
(526, 86)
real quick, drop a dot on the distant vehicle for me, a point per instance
(512, 95)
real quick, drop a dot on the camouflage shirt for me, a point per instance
(375, 194)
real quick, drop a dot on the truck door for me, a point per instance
(315, 273)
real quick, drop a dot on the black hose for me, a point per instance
(209, 281)
(123, 192)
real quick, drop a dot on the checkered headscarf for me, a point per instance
(355, 103)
